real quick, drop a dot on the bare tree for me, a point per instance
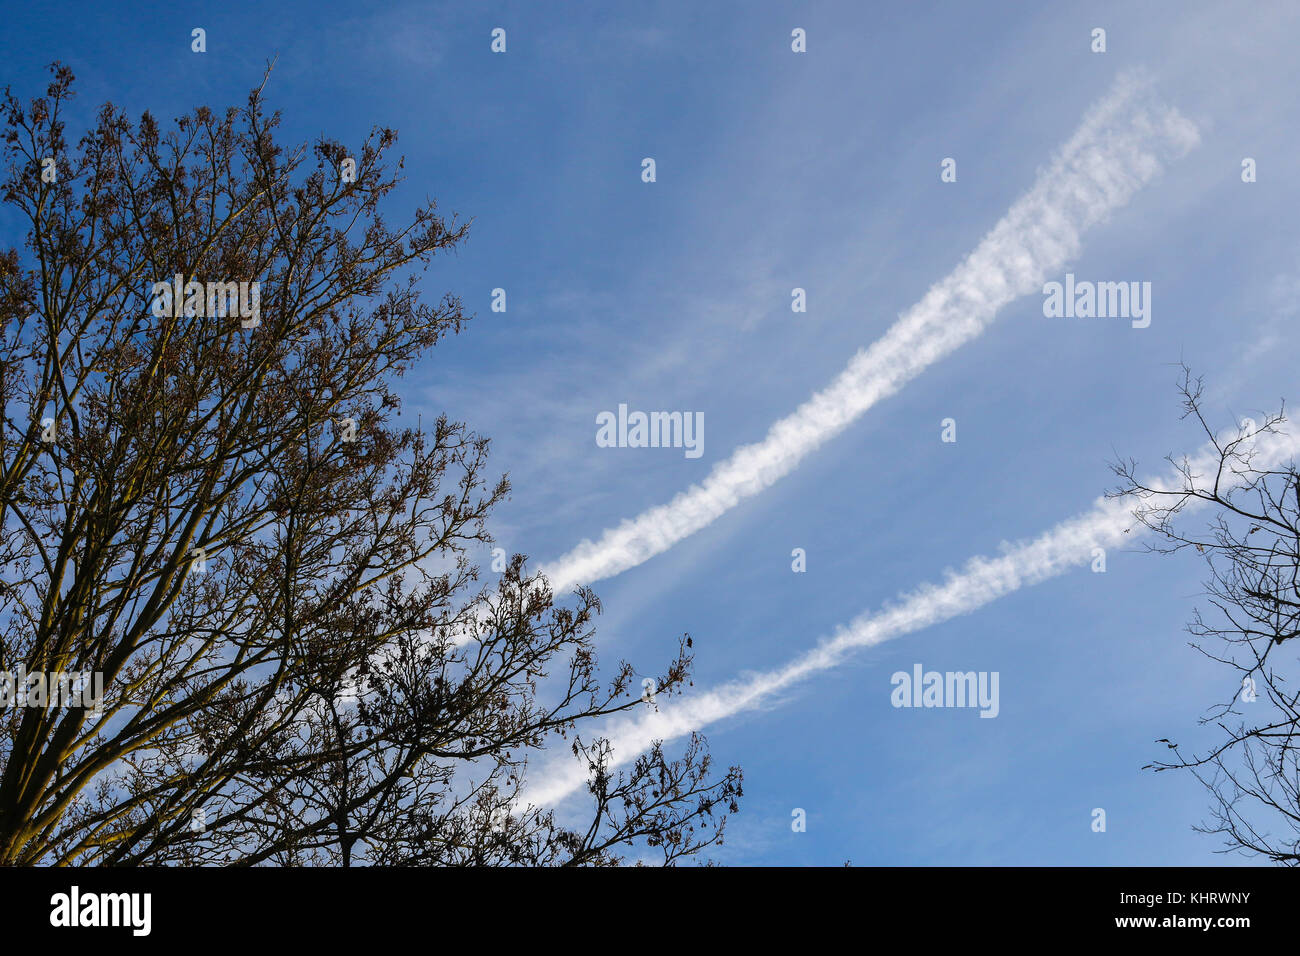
(206, 499)
(1250, 625)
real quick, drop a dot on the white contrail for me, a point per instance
(1117, 149)
(982, 580)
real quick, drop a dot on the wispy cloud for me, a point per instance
(1118, 148)
(982, 580)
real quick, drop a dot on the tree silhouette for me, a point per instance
(213, 507)
(1252, 548)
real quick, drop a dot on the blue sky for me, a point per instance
(821, 171)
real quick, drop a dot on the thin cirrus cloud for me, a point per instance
(981, 581)
(1119, 147)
